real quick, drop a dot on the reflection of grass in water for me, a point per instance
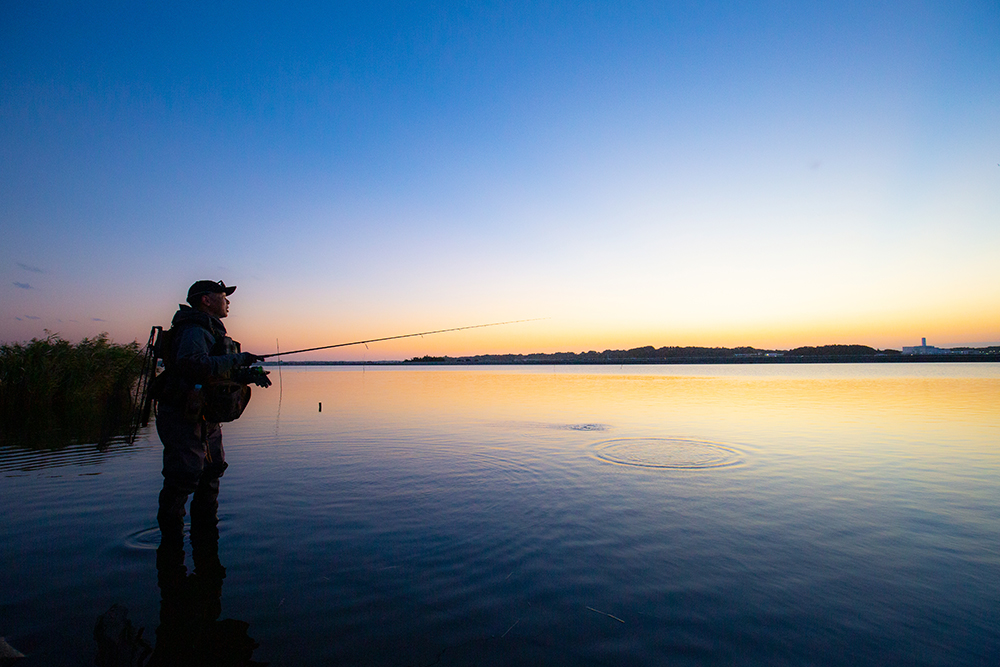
(54, 392)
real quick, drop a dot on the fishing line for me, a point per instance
(281, 386)
(277, 347)
(410, 335)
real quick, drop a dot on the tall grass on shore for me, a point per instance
(53, 392)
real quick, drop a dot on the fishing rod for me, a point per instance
(410, 335)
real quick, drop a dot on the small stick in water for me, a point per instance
(510, 628)
(606, 614)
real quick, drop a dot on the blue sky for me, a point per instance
(639, 173)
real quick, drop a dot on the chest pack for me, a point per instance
(215, 399)
(224, 401)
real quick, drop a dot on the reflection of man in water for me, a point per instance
(190, 634)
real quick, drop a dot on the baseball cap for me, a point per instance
(209, 287)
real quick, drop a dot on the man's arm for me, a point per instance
(194, 361)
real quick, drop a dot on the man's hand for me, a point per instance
(255, 375)
(248, 359)
(260, 379)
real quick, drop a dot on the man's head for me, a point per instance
(210, 296)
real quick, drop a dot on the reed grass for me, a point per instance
(51, 387)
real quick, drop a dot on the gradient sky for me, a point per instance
(771, 174)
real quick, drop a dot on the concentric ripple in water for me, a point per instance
(678, 453)
(148, 538)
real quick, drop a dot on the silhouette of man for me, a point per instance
(204, 382)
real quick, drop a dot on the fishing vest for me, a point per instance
(215, 399)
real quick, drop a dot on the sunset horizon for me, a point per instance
(637, 173)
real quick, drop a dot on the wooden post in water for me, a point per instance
(321, 406)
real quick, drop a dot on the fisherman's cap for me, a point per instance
(209, 287)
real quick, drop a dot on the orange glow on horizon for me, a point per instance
(885, 331)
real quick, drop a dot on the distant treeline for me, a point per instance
(53, 390)
(652, 355)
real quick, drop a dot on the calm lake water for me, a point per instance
(637, 515)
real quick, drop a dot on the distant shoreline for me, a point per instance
(460, 361)
(823, 354)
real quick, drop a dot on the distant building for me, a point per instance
(924, 348)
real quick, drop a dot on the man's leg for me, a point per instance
(205, 508)
(183, 461)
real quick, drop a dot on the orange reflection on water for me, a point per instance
(862, 414)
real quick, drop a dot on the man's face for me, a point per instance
(215, 304)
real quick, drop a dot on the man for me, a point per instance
(201, 364)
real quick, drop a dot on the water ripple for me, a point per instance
(674, 453)
(584, 427)
(14, 459)
(558, 427)
(148, 538)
